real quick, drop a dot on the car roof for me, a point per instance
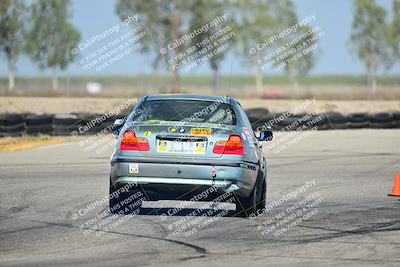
(222, 99)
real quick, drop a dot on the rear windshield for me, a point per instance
(186, 111)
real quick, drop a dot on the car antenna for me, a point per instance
(229, 84)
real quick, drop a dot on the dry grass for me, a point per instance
(335, 90)
(64, 105)
(11, 144)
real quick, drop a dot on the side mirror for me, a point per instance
(117, 125)
(265, 135)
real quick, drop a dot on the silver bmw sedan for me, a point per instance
(176, 146)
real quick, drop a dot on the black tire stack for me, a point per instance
(396, 119)
(258, 116)
(80, 125)
(358, 120)
(94, 124)
(2, 128)
(337, 120)
(287, 123)
(381, 120)
(64, 125)
(109, 123)
(39, 124)
(14, 124)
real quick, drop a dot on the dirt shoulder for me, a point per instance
(64, 105)
(11, 144)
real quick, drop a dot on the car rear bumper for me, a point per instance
(180, 176)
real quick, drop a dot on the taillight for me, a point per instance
(132, 143)
(234, 146)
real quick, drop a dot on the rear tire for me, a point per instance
(245, 206)
(263, 196)
(118, 204)
(114, 205)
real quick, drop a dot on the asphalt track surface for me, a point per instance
(41, 190)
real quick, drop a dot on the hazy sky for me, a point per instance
(333, 17)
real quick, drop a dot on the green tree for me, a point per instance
(12, 18)
(253, 22)
(370, 38)
(202, 12)
(396, 29)
(285, 16)
(258, 20)
(51, 36)
(163, 22)
(306, 62)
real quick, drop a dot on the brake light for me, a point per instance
(132, 143)
(234, 146)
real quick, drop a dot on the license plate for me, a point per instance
(164, 146)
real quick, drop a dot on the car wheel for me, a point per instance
(245, 206)
(114, 203)
(263, 190)
(263, 196)
(118, 204)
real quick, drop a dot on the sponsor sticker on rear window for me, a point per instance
(201, 132)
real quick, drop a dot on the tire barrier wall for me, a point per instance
(328, 121)
(13, 124)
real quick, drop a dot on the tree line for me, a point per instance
(43, 31)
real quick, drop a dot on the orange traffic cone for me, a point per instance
(396, 187)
